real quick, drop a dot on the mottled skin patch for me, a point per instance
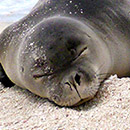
(63, 50)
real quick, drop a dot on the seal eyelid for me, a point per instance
(84, 49)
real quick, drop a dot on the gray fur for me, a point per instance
(61, 47)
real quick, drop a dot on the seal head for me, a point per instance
(59, 62)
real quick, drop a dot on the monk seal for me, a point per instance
(63, 50)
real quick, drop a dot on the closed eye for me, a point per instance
(48, 74)
(82, 51)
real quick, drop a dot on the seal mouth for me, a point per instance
(82, 101)
(37, 76)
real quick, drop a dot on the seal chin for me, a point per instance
(77, 88)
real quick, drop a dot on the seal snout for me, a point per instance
(79, 86)
(74, 82)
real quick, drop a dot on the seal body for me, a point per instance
(63, 50)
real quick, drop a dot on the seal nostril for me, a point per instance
(77, 79)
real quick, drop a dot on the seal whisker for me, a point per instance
(104, 74)
(99, 69)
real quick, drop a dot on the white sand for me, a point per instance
(109, 110)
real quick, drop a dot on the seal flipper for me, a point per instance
(4, 79)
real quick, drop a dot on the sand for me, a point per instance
(109, 110)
